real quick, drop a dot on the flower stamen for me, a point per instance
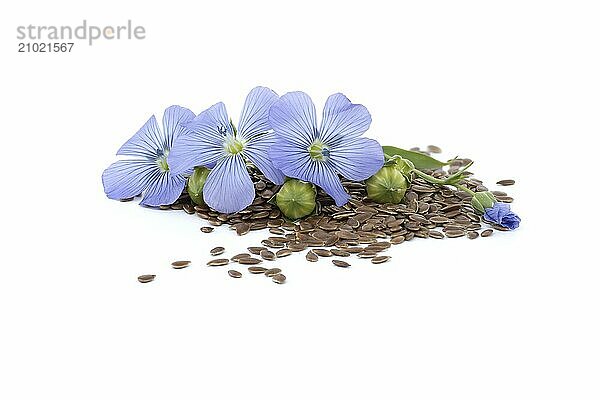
(318, 151)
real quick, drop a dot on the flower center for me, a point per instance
(162, 162)
(233, 145)
(318, 151)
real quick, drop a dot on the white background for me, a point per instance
(513, 85)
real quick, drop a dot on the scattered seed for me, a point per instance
(237, 257)
(234, 274)
(146, 278)
(472, 235)
(434, 149)
(283, 253)
(311, 256)
(487, 232)
(256, 250)
(340, 263)
(278, 278)
(380, 259)
(322, 252)
(242, 228)
(217, 250)
(218, 262)
(207, 229)
(272, 271)
(267, 255)
(506, 182)
(249, 261)
(180, 264)
(256, 270)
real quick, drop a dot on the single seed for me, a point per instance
(146, 278)
(455, 233)
(267, 255)
(217, 262)
(256, 270)
(237, 257)
(380, 259)
(256, 250)
(487, 232)
(340, 253)
(180, 264)
(242, 228)
(234, 274)
(217, 250)
(272, 271)
(278, 278)
(249, 261)
(472, 235)
(506, 182)
(312, 257)
(436, 234)
(434, 149)
(322, 252)
(283, 253)
(340, 263)
(207, 229)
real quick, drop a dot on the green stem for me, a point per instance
(464, 189)
(429, 178)
(436, 181)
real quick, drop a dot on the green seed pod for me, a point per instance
(196, 184)
(388, 185)
(483, 200)
(296, 199)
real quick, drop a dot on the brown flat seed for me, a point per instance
(278, 278)
(272, 271)
(207, 229)
(340, 263)
(367, 254)
(242, 228)
(436, 234)
(249, 261)
(455, 233)
(506, 182)
(472, 235)
(256, 270)
(217, 250)
(188, 208)
(434, 149)
(340, 253)
(146, 278)
(322, 252)
(267, 255)
(283, 253)
(237, 257)
(297, 246)
(312, 257)
(180, 264)
(256, 250)
(217, 262)
(380, 259)
(397, 240)
(234, 274)
(487, 232)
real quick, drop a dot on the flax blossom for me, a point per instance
(215, 142)
(318, 155)
(147, 172)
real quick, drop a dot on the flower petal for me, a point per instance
(356, 159)
(128, 178)
(164, 189)
(148, 142)
(342, 119)
(293, 117)
(203, 145)
(173, 119)
(322, 174)
(228, 187)
(257, 151)
(255, 114)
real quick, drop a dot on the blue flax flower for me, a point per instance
(214, 142)
(318, 155)
(501, 214)
(148, 173)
